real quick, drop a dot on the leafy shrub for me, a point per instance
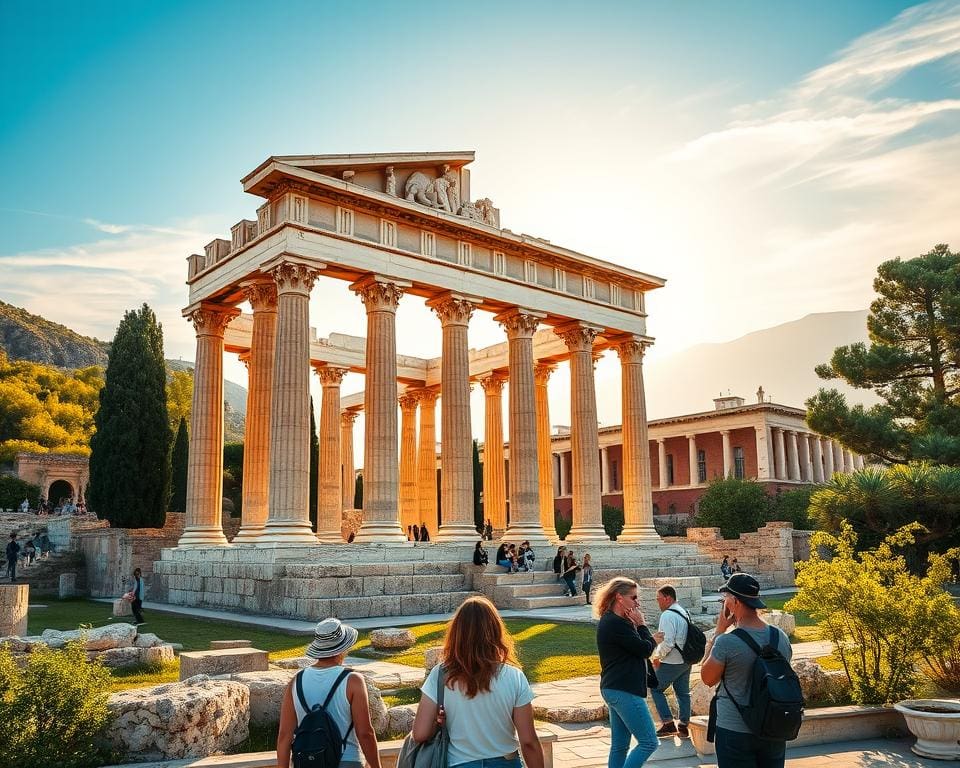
(883, 619)
(54, 710)
(791, 507)
(734, 506)
(562, 524)
(612, 521)
(942, 666)
(13, 491)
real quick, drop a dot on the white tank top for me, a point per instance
(316, 685)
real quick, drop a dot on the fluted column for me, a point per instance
(409, 501)
(381, 518)
(427, 458)
(584, 436)
(763, 455)
(837, 457)
(816, 449)
(662, 462)
(205, 468)
(347, 474)
(329, 491)
(456, 439)
(637, 498)
(793, 459)
(494, 469)
(858, 462)
(848, 462)
(562, 463)
(828, 468)
(806, 460)
(727, 462)
(524, 466)
(780, 454)
(288, 520)
(541, 378)
(262, 295)
(692, 459)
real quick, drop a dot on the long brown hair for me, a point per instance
(477, 643)
(607, 594)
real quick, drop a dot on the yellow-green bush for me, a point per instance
(53, 711)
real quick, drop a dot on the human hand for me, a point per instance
(724, 620)
(636, 616)
(656, 663)
(658, 636)
(441, 717)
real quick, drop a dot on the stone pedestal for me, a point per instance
(68, 585)
(223, 661)
(13, 609)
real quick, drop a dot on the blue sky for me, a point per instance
(764, 157)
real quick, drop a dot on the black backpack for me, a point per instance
(316, 741)
(695, 644)
(775, 708)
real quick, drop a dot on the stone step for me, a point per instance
(508, 591)
(387, 605)
(495, 579)
(559, 601)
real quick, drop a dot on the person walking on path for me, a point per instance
(135, 596)
(349, 706)
(625, 645)
(488, 704)
(729, 660)
(13, 553)
(587, 577)
(570, 569)
(671, 669)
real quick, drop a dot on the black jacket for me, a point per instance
(624, 654)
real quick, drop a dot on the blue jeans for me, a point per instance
(571, 583)
(629, 716)
(677, 675)
(744, 750)
(491, 762)
(12, 570)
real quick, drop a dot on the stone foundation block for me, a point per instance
(223, 662)
(785, 621)
(96, 639)
(13, 609)
(221, 645)
(115, 658)
(158, 654)
(392, 639)
(400, 719)
(432, 657)
(67, 586)
(266, 691)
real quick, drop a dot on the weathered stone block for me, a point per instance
(147, 640)
(373, 585)
(219, 645)
(95, 639)
(266, 693)
(115, 658)
(67, 586)
(14, 599)
(158, 654)
(350, 587)
(432, 657)
(784, 621)
(392, 639)
(398, 585)
(400, 719)
(222, 662)
(122, 607)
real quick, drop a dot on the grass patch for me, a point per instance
(145, 675)
(400, 696)
(262, 738)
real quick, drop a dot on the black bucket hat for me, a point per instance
(745, 588)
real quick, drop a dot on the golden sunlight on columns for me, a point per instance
(637, 498)
(329, 492)
(541, 377)
(780, 453)
(793, 456)
(262, 295)
(762, 441)
(456, 438)
(584, 434)
(494, 468)
(205, 467)
(381, 518)
(828, 468)
(427, 459)
(347, 472)
(692, 459)
(806, 460)
(520, 325)
(409, 503)
(816, 449)
(289, 518)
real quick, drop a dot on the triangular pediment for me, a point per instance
(335, 165)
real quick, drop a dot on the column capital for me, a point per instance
(212, 319)
(542, 372)
(453, 308)
(630, 347)
(244, 357)
(578, 337)
(262, 294)
(428, 396)
(347, 418)
(691, 436)
(519, 323)
(293, 276)
(329, 375)
(379, 294)
(724, 431)
(409, 400)
(661, 440)
(493, 384)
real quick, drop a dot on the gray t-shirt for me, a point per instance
(738, 659)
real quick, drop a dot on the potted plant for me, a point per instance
(936, 724)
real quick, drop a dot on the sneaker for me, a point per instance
(683, 731)
(667, 729)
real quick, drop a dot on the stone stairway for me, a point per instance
(43, 575)
(525, 590)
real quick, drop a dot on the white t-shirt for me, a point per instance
(482, 727)
(316, 685)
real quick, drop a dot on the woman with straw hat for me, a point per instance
(348, 705)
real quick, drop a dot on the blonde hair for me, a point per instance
(477, 643)
(607, 593)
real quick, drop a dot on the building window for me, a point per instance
(701, 466)
(669, 469)
(656, 509)
(299, 208)
(638, 301)
(614, 480)
(263, 218)
(739, 465)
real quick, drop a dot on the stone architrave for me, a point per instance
(520, 325)
(205, 466)
(584, 435)
(288, 520)
(541, 379)
(427, 457)
(494, 466)
(456, 440)
(346, 457)
(637, 498)
(262, 295)
(381, 481)
(329, 493)
(14, 599)
(409, 497)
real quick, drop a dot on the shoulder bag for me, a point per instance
(433, 752)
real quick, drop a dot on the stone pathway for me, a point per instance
(385, 674)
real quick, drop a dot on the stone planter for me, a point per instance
(936, 724)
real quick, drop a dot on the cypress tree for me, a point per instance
(178, 466)
(314, 467)
(130, 451)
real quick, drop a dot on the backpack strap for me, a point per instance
(752, 645)
(303, 699)
(326, 701)
(686, 619)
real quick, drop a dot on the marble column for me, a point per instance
(806, 460)
(584, 434)
(288, 521)
(427, 458)
(692, 459)
(262, 295)
(456, 438)
(816, 450)
(524, 465)
(409, 500)
(541, 378)
(837, 457)
(329, 492)
(727, 460)
(858, 462)
(205, 468)
(780, 454)
(637, 498)
(662, 462)
(494, 468)
(562, 463)
(827, 459)
(381, 517)
(793, 458)
(348, 474)
(848, 462)
(763, 455)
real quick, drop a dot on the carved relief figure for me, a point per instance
(391, 181)
(426, 191)
(481, 210)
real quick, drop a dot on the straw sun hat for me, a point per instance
(331, 638)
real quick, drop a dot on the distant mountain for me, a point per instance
(30, 337)
(234, 395)
(781, 359)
